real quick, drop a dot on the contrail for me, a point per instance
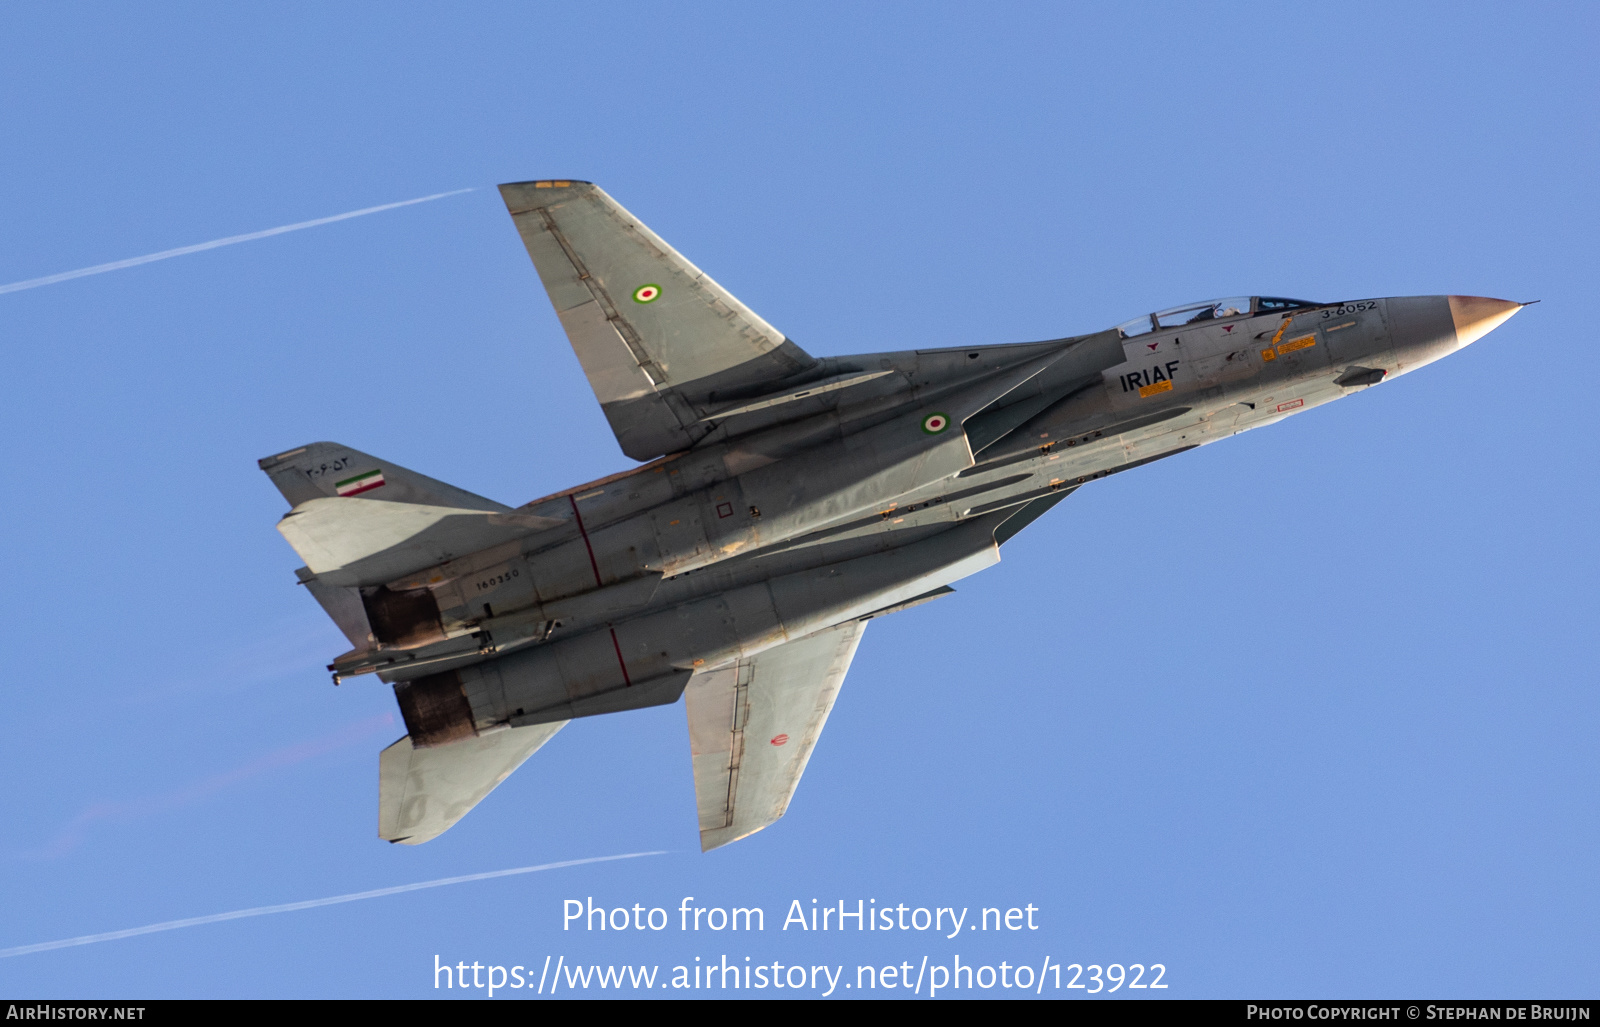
(118, 265)
(290, 907)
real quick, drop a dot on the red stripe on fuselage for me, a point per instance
(592, 564)
(626, 681)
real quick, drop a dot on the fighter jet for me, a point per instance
(783, 501)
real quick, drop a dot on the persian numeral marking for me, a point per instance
(322, 469)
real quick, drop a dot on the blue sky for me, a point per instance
(1309, 712)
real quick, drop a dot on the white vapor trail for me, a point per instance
(118, 265)
(290, 907)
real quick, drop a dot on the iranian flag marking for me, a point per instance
(360, 483)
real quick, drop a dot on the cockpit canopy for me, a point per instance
(1211, 310)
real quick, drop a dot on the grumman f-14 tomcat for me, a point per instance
(786, 501)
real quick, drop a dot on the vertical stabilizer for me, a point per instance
(329, 469)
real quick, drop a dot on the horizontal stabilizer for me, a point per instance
(752, 727)
(423, 792)
(369, 541)
(343, 605)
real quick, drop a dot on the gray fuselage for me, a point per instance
(797, 516)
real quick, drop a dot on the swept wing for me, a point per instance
(656, 336)
(752, 726)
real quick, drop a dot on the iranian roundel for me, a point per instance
(935, 423)
(647, 293)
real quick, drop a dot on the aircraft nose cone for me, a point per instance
(1477, 316)
(1426, 328)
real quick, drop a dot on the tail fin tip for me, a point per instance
(324, 470)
